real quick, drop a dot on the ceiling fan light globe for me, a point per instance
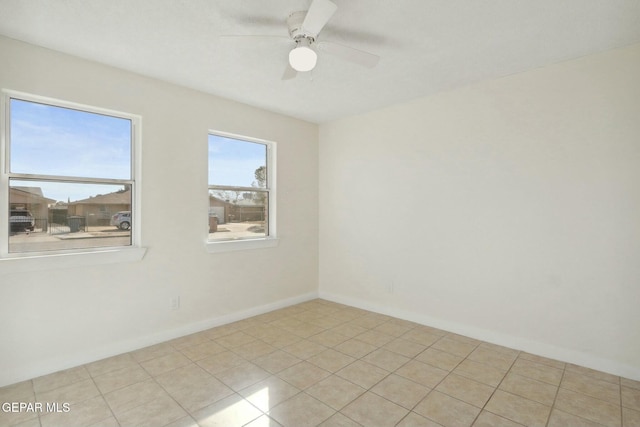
(302, 58)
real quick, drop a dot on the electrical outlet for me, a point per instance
(175, 303)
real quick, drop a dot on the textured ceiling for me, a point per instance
(425, 46)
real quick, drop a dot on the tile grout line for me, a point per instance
(103, 399)
(555, 397)
(172, 398)
(379, 347)
(35, 399)
(121, 388)
(306, 360)
(621, 409)
(590, 396)
(498, 387)
(445, 377)
(256, 338)
(68, 385)
(369, 390)
(361, 359)
(301, 391)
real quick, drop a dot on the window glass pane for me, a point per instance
(48, 215)
(237, 163)
(238, 214)
(50, 140)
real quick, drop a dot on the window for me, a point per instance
(241, 188)
(67, 177)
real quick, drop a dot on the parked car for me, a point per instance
(21, 220)
(122, 220)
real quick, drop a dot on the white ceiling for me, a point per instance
(425, 46)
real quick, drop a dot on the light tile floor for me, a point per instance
(325, 364)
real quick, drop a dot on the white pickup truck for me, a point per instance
(21, 220)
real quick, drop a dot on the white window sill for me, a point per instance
(40, 262)
(240, 245)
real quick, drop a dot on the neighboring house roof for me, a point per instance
(32, 191)
(117, 198)
(36, 191)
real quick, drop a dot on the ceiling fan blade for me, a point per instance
(318, 15)
(289, 73)
(253, 37)
(350, 54)
(263, 20)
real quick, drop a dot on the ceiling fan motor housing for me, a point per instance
(296, 30)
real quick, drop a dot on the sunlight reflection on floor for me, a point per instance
(236, 411)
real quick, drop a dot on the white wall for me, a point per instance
(56, 319)
(508, 210)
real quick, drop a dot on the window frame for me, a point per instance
(21, 261)
(271, 239)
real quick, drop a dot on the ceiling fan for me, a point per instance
(304, 28)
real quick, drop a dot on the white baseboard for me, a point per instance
(518, 343)
(53, 365)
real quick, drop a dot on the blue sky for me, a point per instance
(49, 140)
(234, 162)
(62, 142)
